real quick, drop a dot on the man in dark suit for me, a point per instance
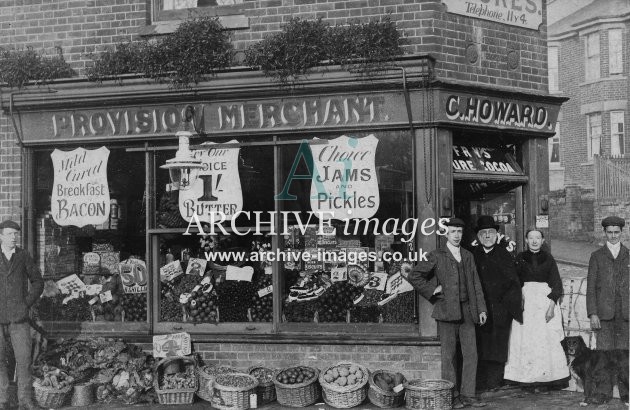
(502, 291)
(449, 280)
(607, 288)
(17, 269)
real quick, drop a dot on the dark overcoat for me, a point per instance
(601, 285)
(440, 268)
(15, 296)
(502, 292)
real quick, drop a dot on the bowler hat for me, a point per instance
(613, 221)
(486, 222)
(9, 224)
(455, 222)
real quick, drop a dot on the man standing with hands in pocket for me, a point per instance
(448, 279)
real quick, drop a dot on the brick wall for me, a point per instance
(412, 361)
(571, 213)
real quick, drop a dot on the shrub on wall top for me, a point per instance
(19, 67)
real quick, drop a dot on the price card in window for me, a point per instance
(70, 283)
(235, 273)
(265, 291)
(396, 284)
(196, 266)
(93, 289)
(339, 274)
(378, 281)
(170, 271)
(105, 296)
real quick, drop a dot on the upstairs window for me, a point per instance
(552, 64)
(554, 148)
(173, 10)
(592, 57)
(615, 53)
(616, 133)
(594, 130)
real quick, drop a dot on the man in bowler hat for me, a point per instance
(607, 288)
(502, 292)
(448, 279)
(17, 269)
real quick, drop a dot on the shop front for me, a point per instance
(281, 239)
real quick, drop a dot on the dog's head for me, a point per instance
(574, 345)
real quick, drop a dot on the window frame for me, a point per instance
(166, 16)
(592, 51)
(615, 51)
(590, 139)
(617, 137)
(555, 141)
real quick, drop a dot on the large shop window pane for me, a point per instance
(617, 143)
(594, 129)
(592, 57)
(615, 51)
(93, 271)
(364, 175)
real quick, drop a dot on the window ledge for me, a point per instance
(231, 22)
(614, 77)
(555, 168)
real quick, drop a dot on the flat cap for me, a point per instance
(613, 221)
(455, 222)
(9, 224)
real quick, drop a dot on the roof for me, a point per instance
(599, 9)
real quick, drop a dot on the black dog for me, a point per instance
(599, 370)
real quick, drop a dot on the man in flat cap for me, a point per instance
(448, 279)
(17, 269)
(502, 291)
(607, 288)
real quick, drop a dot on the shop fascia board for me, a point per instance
(236, 83)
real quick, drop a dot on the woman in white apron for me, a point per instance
(535, 354)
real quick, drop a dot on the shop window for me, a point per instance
(554, 148)
(617, 140)
(594, 134)
(90, 235)
(552, 62)
(172, 10)
(592, 69)
(615, 51)
(338, 283)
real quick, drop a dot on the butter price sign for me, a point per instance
(520, 13)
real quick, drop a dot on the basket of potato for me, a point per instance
(344, 385)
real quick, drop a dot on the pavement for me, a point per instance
(572, 253)
(515, 399)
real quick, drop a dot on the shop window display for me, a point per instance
(94, 272)
(337, 285)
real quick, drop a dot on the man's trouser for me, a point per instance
(464, 331)
(20, 339)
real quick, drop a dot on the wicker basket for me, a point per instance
(49, 397)
(344, 397)
(174, 396)
(266, 391)
(300, 394)
(429, 394)
(382, 398)
(232, 398)
(206, 377)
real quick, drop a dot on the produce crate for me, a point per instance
(175, 396)
(434, 394)
(49, 397)
(226, 396)
(344, 397)
(383, 398)
(266, 390)
(299, 394)
(206, 376)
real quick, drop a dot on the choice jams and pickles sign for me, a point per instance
(497, 112)
(80, 193)
(344, 184)
(521, 13)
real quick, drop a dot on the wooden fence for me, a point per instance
(612, 177)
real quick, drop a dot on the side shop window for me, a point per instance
(339, 283)
(90, 235)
